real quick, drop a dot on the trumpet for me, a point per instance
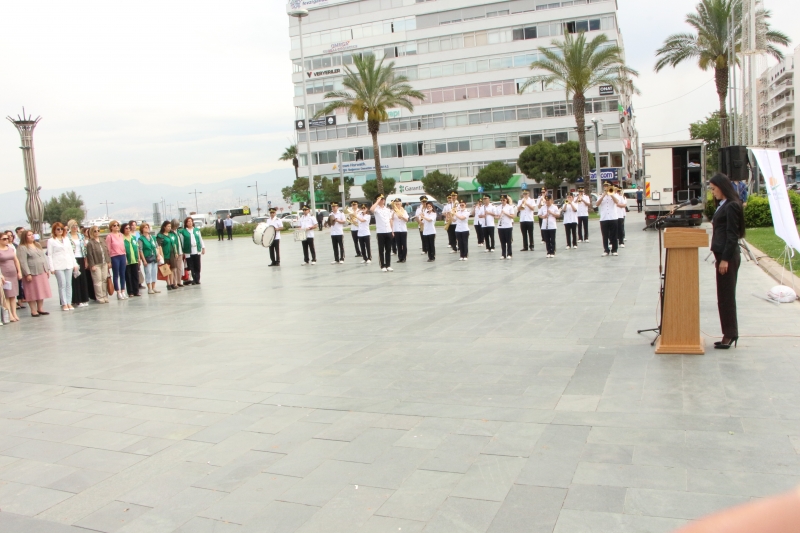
(351, 216)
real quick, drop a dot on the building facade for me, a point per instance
(469, 58)
(779, 112)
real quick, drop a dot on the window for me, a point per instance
(582, 26)
(530, 32)
(594, 24)
(410, 149)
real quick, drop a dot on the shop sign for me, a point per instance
(323, 72)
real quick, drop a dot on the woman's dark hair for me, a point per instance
(187, 219)
(721, 182)
(123, 227)
(164, 225)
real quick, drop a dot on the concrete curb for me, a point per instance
(774, 269)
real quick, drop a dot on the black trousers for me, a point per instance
(230, 232)
(726, 296)
(621, 230)
(80, 285)
(275, 252)
(451, 237)
(394, 244)
(308, 246)
(583, 228)
(193, 262)
(571, 231)
(366, 251)
(462, 237)
(505, 241)
(527, 235)
(549, 236)
(638, 205)
(609, 230)
(220, 234)
(401, 241)
(488, 237)
(132, 279)
(424, 242)
(338, 247)
(385, 249)
(540, 227)
(354, 234)
(430, 246)
(479, 233)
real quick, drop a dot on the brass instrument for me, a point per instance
(449, 218)
(398, 209)
(350, 214)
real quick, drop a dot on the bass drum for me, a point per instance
(268, 237)
(258, 233)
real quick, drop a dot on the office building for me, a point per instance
(779, 112)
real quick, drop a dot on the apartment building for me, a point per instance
(469, 58)
(779, 113)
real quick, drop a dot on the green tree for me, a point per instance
(578, 66)
(439, 184)
(67, 206)
(375, 89)
(494, 175)
(371, 190)
(330, 189)
(286, 194)
(552, 164)
(290, 154)
(708, 130)
(710, 45)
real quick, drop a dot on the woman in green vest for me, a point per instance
(150, 256)
(193, 248)
(131, 260)
(168, 242)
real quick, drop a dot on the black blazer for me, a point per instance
(725, 240)
(219, 224)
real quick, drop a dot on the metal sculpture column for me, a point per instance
(33, 204)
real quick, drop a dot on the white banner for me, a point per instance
(769, 161)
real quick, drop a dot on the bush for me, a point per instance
(238, 229)
(758, 215)
(711, 206)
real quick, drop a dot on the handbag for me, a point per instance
(110, 286)
(185, 276)
(5, 315)
(164, 272)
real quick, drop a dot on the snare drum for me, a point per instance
(299, 235)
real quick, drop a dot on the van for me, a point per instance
(201, 220)
(630, 198)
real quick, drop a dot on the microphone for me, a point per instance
(693, 201)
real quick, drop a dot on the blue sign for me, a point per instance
(524, 186)
(606, 174)
(269, 203)
(480, 189)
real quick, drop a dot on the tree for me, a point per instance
(67, 206)
(375, 89)
(552, 164)
(710, 45)
(439, 185)
(290, 154)
(579, 66)
(709, 131)
(330, 189)
(371, 190)
(494, 175)
(286, 194)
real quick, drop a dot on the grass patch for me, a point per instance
(765, 240)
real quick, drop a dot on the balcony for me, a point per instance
(781, 118)
(779, 103)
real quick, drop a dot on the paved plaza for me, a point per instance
(481, 396)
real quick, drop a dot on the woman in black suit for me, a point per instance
(728, 224)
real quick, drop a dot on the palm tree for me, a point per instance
(710, 45)
(578, 66)
(375, 89)
(290, 153)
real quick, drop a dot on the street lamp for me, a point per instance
(258, 205)
(299, 14)
(196, 209)
(107, 203)
(598, 131)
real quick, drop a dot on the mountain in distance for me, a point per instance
(132, 199)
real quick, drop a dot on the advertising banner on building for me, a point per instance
(769, 162)
(313, 4)
(323, 72)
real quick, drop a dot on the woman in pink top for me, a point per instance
(115, 243)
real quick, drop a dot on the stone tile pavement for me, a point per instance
(486, 396)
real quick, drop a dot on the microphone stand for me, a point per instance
(662, 274)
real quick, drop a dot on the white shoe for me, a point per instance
(313, 262)
(383, 269)
(576, 246)
(487, 251)
(622, 245)
(492, 250)
(424, 253)
(364, 262)
(303, 263)
(119, 296)
(580, 240)
(452, 251)
(465, 259)
(341, 262)
(585, 240)
(605, 254)
(334, 262)
(124, 295)
(568, 247)
(369, 261)
(614, 253)
(460, 258)
(389, 269)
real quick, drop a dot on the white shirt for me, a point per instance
(525, 210)
(429, 226)
(278, 225)
(193, 241)
(583, 209)
(490, 211)
(308, 223)
(620, 210)
(608, 208)
(570, 213)
(479, 213)
(548, 216)
(507, 213)
(399, 223)
(363, 224)
(76, 245)
(338, 225)
(60, 254)
(462, 225)
(383, 220)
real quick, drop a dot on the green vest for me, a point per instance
(168, 244)
(131, 250)
(187, 244)
(148, 246)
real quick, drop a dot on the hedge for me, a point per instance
(758, 215)
(238, 229)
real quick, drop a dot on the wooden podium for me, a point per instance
(680, 318)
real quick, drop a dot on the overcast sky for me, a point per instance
(185, 92)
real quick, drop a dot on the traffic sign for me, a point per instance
(524, 186)
(480, 189)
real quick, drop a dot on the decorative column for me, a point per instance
(33, 204)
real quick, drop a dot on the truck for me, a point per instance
(674, 172)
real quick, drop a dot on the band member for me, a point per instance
(308, 223)
(583, 202)
(478, 214)
(547, 215)
(489, 214)
(525, 208)
(429, 231)
(462, 229)
(337, 234)
(354, 227)
(275, 247)
(423, 200)
(570, 213)
(450, 208)
(540, 202)
(607, 205)
(506, 225)
(400, 230)
(383, 230)
(621, 212)
(363, 234)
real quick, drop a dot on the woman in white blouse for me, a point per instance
(547, 214)
(570, 214)
(506, 226)
(62, 262)
(429, 231)
(462, 229)
(363, 217)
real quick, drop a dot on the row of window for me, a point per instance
(359, 31)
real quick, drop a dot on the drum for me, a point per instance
(269, 236)
(299, 235)
(258, 233)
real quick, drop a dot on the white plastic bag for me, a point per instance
(782, 294)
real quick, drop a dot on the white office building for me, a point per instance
(779, 113)
(469, 58)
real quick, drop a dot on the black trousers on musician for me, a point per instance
(394, 244)
(424, 242)
(385, 249)
(451, 237)
(549, 236)
(488, 237)
(193, 262)
(462, 238)
(583, 228)
(571, 231)
(401, 241)
(726, 296)
(505, 241)
(479, 233)
(609, 230)
(338, 247)
(354, 234)
(275, 252)
(527, 235)
(621, 230)
(430, 246)
(308, 246)
(540, 227)
(366, 251)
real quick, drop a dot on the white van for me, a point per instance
(202, 219)
(630, 198)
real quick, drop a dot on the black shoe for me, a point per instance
(723, 346)
(431, 260)
(524, 250)
(271, 264)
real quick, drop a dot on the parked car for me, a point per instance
(258, 220)
(292, 219)
(411, 208)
